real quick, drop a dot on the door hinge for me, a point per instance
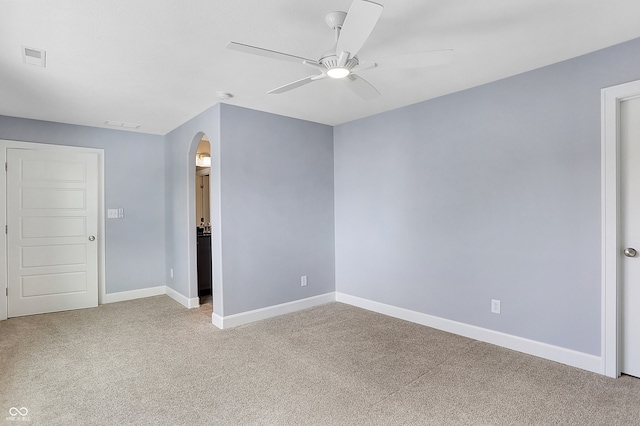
(6, 229)
(6, 167)
(6, 291)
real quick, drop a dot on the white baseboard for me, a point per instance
(194, 302)
(152, 291)
(543, 350)
(134, 294)
(236, 320)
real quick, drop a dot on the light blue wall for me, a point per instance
(134, 180)
(277, 209)
(489, 193)
(272, 207)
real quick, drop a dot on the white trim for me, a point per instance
(543, 350)
(610, 146)
(141, 293)
(134, 294)
(4, 144)
(243, 318)
(194, 302)
(102, 245)
(218, 321)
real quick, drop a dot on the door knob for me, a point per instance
(91, 238)
(630, 252)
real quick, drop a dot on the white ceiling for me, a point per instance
(161, 62)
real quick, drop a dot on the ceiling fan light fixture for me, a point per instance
(338, 72)
(335, 69)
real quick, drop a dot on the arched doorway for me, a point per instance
(192, 218)
(204, 261)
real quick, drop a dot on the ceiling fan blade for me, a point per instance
(419, 60)
(363, 66)
(361, 87)
(296, 84)
(360, 21)
(254, 50)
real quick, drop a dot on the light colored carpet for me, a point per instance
(151, 361)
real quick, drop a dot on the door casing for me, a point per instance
(4, 145)
(611, 98)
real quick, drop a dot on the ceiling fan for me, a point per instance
(351, 30)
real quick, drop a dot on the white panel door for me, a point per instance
(630, 215)
(52, 225)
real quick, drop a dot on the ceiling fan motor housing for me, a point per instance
(331, 62)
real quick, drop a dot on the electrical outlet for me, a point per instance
(303, 281)
(171, 272)
(495, 306)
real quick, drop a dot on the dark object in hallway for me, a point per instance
(204, 265)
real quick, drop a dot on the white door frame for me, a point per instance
(610, 332)
(4, 145)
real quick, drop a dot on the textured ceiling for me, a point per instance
(161, 62)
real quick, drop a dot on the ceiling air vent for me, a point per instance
(122, 124)
(33, 56)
